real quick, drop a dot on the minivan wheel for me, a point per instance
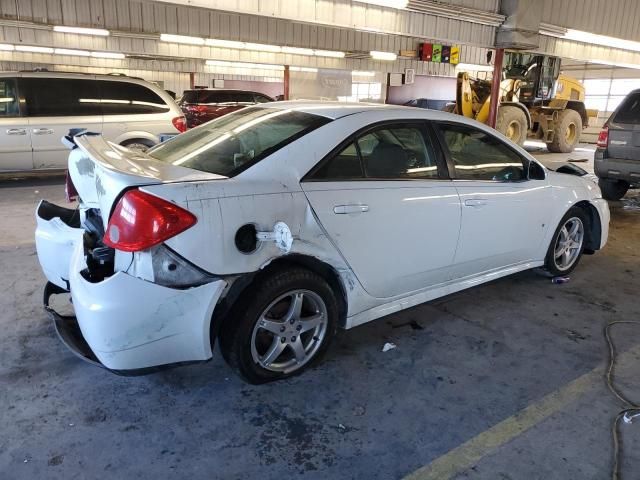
(568, 243)
(281, 326)
(613, 189)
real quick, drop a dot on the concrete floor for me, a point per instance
(496, 382)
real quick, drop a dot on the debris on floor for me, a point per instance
(388, 346)
(577, 160)
(559, 280)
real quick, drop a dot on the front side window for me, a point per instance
(391, 152)
(9, 106)
(124, 98)
(230, 144)
(476, 155)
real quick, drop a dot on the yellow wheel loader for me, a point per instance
(534, 98)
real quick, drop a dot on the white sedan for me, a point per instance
(269, 228)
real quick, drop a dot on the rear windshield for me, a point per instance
(629, 110)
(232, 143)
(206, 96)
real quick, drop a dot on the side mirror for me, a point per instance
(536, 172)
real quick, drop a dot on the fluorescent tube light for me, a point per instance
(329, 53)
(263, 48)
(361, 73)
(29, 48)
(473, 67)
(304, 69)
(117, 56)
(6, 47)
(81, 30)
(261, 66)
(387, 3)
(387, 56)
(66, 51)
(297, 51)
(167, 37)
(612, 42)
(213, 42)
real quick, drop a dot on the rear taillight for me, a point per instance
(141, 220)
(180, 123)
(603, 138)
(70, 189)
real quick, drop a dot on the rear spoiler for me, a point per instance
(69, 140)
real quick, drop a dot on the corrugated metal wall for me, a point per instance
(616, 18)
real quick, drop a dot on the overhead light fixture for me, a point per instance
(387, 56)
(261, 66)
(261, 47)
(32, 49)
(329, 53)
(387, 3)
(212, 42)
(604, 40)
(635, 66)
(473, 67)
(167, 37)
(113, 55)
(304, 69)
(81, 30)
(6, 47)
(67, 51)
(361, 73)
(297, 51)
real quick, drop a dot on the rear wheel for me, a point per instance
(566, 133)
(512, 123)
(613, 189)
(283, 326)
(568, 243)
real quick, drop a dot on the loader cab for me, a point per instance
(537, 75)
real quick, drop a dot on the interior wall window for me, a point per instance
(389, 153)
(9, 106)
(363, 92)
(61, 97)
(477, 155)
(122, 98)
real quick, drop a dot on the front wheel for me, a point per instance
(567, 244)
(281, 327)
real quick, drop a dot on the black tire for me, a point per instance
(236, 335)
(567, 131)
(138, 144)
(549, 263)
(613, 189)
(512, 123)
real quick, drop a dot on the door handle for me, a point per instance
(475, 202)
(344, 209)
(42, 131)
(17, 131)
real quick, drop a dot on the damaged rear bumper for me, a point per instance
(123, 323)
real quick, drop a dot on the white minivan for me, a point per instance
(38, 108)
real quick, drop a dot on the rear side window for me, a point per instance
(9, 106)
(629, 110)
(61, 97)
(262, 98)
(393, 152)
(232, 143)
(243, 97)
(124, 98)
(476, 155)
(206, 96)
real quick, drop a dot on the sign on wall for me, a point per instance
(438, 53)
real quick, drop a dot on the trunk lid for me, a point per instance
(102, 170)
(624, 129)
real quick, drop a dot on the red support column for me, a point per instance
(286, 82)
(495, 87)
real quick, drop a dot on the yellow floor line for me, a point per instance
(469, 453)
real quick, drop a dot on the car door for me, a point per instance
(15, 139)
(504, 209)
(56, 105)
(384, 199)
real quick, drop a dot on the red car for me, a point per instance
(201, 105)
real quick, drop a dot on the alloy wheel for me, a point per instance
(289, 331)
(569, 244)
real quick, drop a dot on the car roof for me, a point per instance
(229, 90)
(335, 110)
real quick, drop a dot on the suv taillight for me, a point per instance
(180, 123)
(141, 220)
(70, 189)
(603, 138)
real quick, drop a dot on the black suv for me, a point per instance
(617, 158)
